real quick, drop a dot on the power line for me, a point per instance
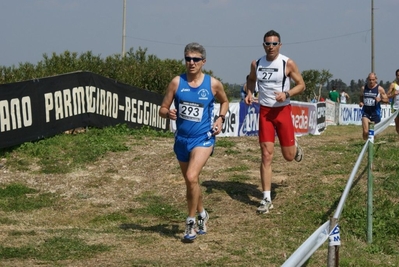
(327, 38)
(248, 46)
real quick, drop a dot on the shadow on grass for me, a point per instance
(239, 191)
(162, 229)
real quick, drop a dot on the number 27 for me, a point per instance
(265, 74)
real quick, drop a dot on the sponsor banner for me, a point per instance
(352, 114)
(308, 118)
(300, 118)
(40, 108)
(321, 117)
(249, 119)
(330, 113)
(232, 123)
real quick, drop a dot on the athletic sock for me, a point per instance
(190, 219)
(266, 195)
(202, 214)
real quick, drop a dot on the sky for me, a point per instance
(317, 34)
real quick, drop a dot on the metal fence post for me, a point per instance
(333, 244)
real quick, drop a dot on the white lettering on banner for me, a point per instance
(58, 105)
(300, 121)
(90, 99)
(321, 112)
(66, 103)
(79, 100)
(15, 113)
(143, 112)
(250, 123)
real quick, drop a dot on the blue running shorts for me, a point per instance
(184, 145)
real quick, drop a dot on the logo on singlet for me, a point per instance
(203, 94)
(268, 69)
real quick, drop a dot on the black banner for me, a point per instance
(321, 116)
(40, 108)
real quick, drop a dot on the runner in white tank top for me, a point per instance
(272, 74)
(272, 79)
(393, 93)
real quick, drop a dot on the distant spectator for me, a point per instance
(344, 97)
(334, 95)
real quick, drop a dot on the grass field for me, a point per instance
(116, 197)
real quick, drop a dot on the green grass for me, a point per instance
(18, 197)
(53, 249)
(65, 153)
(147, 230)
(157, 206)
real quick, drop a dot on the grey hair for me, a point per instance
(195, 47)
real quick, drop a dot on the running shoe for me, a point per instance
(299, 151)
(264, 206)
(202, 223)
(299, 154)
(190, 234)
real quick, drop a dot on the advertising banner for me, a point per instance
(40, 108)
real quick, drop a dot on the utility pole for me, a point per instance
(124, 28)
(372, 35)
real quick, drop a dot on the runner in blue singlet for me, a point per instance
(371, 95)
(193, 94)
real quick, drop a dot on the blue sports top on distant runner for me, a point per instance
(371, 106)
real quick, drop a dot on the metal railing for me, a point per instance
(330, 229)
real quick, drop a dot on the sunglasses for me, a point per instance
(195, 59)
(271, 43)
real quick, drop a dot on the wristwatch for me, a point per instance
(223, 118)
(287, 95)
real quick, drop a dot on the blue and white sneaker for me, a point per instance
(190, 234)
(202, 224)
(264, 206)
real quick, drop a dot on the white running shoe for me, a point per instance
(190, 234)
(299, 151)
(202, 224)
(264, 206)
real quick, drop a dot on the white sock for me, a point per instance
(190, 219)
(202, 214)
(266, 195)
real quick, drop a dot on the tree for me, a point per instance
(314, 81)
